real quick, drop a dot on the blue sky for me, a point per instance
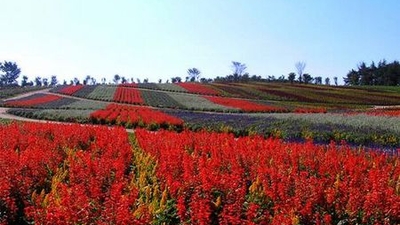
(161, 39)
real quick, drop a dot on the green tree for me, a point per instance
(24, 81)
(291, 77)
(38, 81)
(116, 78)
(307, 78)
(9, 73)
(45, 82)
(53, 80)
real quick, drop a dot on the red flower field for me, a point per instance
(79, 174)
(128, 95)
(244, 105)
(132, 116)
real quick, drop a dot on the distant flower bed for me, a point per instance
(244, 105)
(134, 116)
(33, 100)
(198, 88)
(128, 95)
(71, 89)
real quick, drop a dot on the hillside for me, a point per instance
(359, 115)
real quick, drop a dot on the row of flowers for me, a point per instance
(218, 179)
(134, 116)
(77, 174)
(128, 95)
(67, 174)
(32, 100)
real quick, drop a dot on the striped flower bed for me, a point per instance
(244, 105)
(33, 100)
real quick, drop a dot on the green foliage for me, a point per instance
(9, 73)
(383, 74)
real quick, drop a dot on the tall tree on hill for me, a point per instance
(93, 81)
(307, 78)
(124, 80)
(38, 81)
(291, 77)
(53, 80)
(318, 80)
(86, 80)
(45, 82)
(116, 78)
(335, 79)
(300, 66)
(9, 73)
(194, 74)
(238, 70)
(327, 81)
(76, 81)
(24, 81)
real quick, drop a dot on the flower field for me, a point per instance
(198, 88)
(217, 179)
(71, 89)
(128, 95)
(244, 105)
(66, 174)
(33, 100)
(82, 174)
(134, 116)
(217, 153)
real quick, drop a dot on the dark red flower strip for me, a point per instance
(310, 110)
(198, 88)
(34, 101)
(244, 105)
(128, 95)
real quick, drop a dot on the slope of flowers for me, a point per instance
(218, 179)
(133, 116)
(244, 105)
(70, 89)
(198, 88)
(33, 100)
(128, 95)
(66, 174)
(385, 112)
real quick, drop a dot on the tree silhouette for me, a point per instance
(300, 66)
(327, 81)
(307, 78)
(238, 68)
(291, 77)
(116, 78)
(9, 73)
(53, 80)
(38, 81)
(194, 74)
(24, 81)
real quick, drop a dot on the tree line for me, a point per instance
(382, 74)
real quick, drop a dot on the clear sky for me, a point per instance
(157, 39)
